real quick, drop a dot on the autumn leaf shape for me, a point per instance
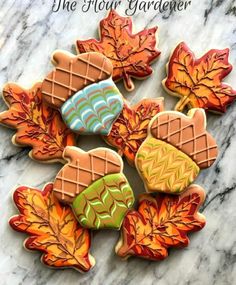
(130, 129)
(160, 223)
(130, 54)
(38, 125)
(198, 82)
(53, 229)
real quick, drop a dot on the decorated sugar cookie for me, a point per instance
(52, 229)
(93, 109)
(130, 129)
(161, 222)
(81, 86)
(198, 82)
(82, 169)
(131, 54)
(176, 148)
(37, 124)
(93, 183)
(72, 73)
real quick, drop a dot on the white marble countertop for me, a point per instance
(29, 33)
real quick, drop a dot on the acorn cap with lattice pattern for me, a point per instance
(82, 169)
(186, 133)
(72, 73)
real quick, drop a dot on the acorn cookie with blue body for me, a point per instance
(82, 88)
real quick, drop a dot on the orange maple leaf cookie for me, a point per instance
(130, 54)
(93, 183)
(52, 228)
(198, 82)
(176, 148)
(130, 129)
(37, 125)
(161, 222)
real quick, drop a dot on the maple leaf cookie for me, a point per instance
(198, 82)
(130, 128)
(131, 54)
(93, 183)
(176, 148)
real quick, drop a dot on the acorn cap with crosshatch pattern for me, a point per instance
(72, 73)
(82, 169)
(188, 134)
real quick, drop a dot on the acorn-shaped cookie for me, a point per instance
(176, 148)
(81, 87)
(93, 184)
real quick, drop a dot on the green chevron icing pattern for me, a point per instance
(104, 203)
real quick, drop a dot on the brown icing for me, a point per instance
(82, 169)
(188, 134)
(73, 73)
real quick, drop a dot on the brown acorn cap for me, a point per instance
(82, 169)
(73, 73)
(187, 133)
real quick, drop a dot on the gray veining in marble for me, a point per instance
(29, 33)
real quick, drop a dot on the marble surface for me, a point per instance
(29, 33)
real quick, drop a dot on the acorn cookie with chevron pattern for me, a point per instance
(94, 185)
(176, 148)
(82, 88)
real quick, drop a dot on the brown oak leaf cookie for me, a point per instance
(176, 148)
(72, 73)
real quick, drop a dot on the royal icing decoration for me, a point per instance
(161, 222)
(93, 109)
(130, 129)
(94, 184)
(176, 148)
(72, 73)
(82, 169)
(52, 229)
(130, 54)
(104, 203)
(37, 124)
(198, 82)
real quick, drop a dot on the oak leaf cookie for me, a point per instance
(37, 124)
(176, 148)
(131, 54)
(52, 229)
(161, 222)
(198, 82)
(130, 129)
(93, 183)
